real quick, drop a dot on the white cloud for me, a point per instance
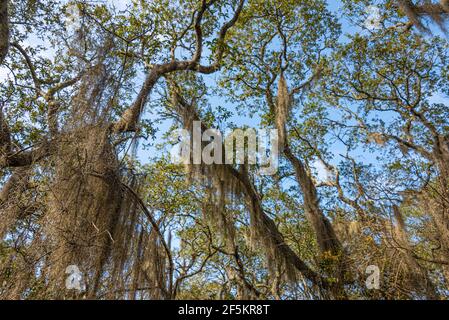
(4, 74)
(321, 172)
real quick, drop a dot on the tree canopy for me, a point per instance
(91, 93)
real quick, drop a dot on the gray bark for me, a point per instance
(4, 30)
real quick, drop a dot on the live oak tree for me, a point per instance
(67, 155)
(84, 97)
